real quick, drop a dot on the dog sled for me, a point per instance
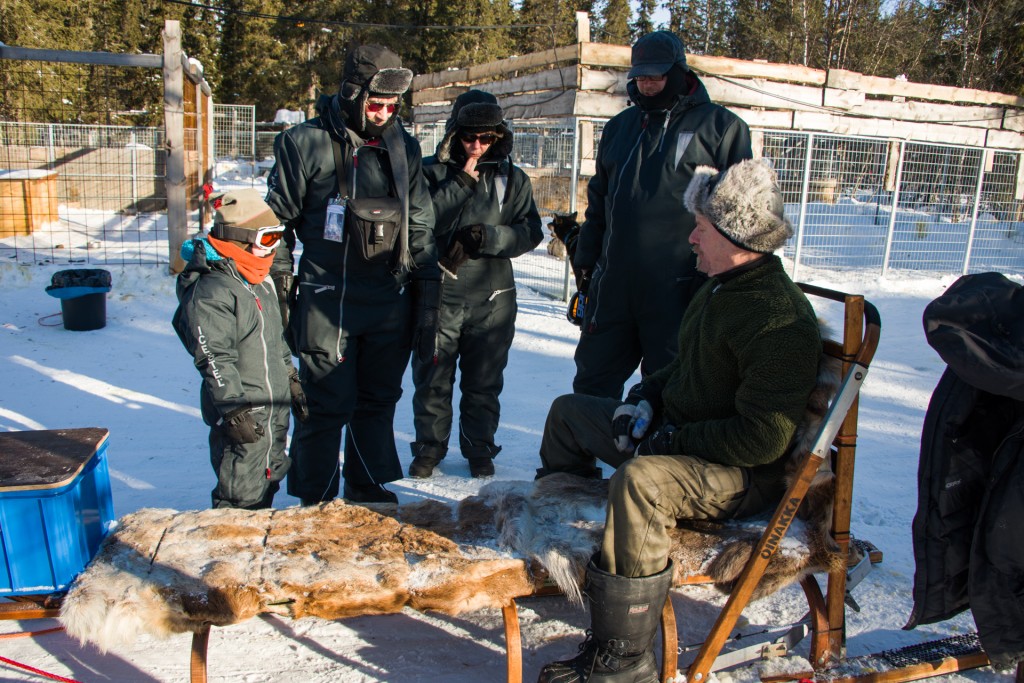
(501, 582)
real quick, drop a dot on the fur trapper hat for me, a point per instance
(377, 70)
(241, 210)
(475, 111)
(744, 203)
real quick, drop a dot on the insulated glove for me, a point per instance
(630, 422)
(658, 443)
(465, 244)
(239, 426)
(566, 229)
(299, 405)
(582, 280)
(426, 302)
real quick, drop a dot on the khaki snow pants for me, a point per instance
(647, 494)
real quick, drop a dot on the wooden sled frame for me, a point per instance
(836, 438)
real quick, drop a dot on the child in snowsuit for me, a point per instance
(228, 319)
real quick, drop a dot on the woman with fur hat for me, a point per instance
(349, 184)
(228, 320)
(486, 216)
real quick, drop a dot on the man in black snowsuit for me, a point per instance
(486, 216)
(632, 260)
(350, 185)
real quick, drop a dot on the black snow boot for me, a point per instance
(624, 618)
(425, 457)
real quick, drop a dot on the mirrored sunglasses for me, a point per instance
(482, 138)
(375, 107)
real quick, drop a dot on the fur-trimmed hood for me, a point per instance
(744, 203)
(475, 111)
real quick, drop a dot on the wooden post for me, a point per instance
(582, 27)
(174, 125)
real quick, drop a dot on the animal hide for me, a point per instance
(162, 572)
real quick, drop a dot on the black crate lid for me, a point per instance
(48, 458)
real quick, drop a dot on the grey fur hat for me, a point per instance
(744, 203)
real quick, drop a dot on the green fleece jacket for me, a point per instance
(740, 384)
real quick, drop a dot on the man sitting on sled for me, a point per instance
(701, 439)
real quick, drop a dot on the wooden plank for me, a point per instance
(922, 132)
(146, 61)
(761, 93)
(930, 112)
(726, 66)
(1013, 119)
(598, 104)
(851, 80)
(540, 105)
(1004, 139)
(565, 78)
(916, 672)
(759, 118)
(501, 68)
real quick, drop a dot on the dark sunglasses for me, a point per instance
(482, 138)
(375, 107)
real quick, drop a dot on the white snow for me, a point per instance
(134, 378)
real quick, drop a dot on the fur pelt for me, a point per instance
(164, 572)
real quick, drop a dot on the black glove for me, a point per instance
(582, 280)
(455, 257)
(239, 426)
(658, 442)
(566, 229)
(283, 283)
(471, 238)
(426, 303)
(299, 405)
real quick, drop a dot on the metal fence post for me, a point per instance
(974, 213)
(891, 231)
(804, 193)
(574, 180)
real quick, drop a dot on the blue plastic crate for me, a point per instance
(55, 507)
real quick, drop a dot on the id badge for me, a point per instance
(334, 221)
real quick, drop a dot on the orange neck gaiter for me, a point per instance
(253, 268)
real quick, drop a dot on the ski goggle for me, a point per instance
(376, 107)
(482, 138)
(267, 238)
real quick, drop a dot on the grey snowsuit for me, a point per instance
(351, 325)
(478, 310)
(634, 237)
(233, 331)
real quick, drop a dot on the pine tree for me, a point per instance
(614, 26)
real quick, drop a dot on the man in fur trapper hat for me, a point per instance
(631, 258)
(486, 216)
(349, 184)
(705, 437)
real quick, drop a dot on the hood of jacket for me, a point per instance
(689, 98)
(450, 149)
(977, 327)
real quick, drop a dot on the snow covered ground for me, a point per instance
(134, 378)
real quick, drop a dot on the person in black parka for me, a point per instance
(968, 547)
(349, 184)
(485, 216)
(632, 260)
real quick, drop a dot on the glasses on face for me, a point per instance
(377, 107)
(268, 237)
(482, 138)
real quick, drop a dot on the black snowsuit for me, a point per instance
(968, 545)
(634, 237)
(233, 331)
(478, 309)
(351, 324)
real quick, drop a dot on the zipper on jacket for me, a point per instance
(595, 282)
(500, 291)
(339, 352)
